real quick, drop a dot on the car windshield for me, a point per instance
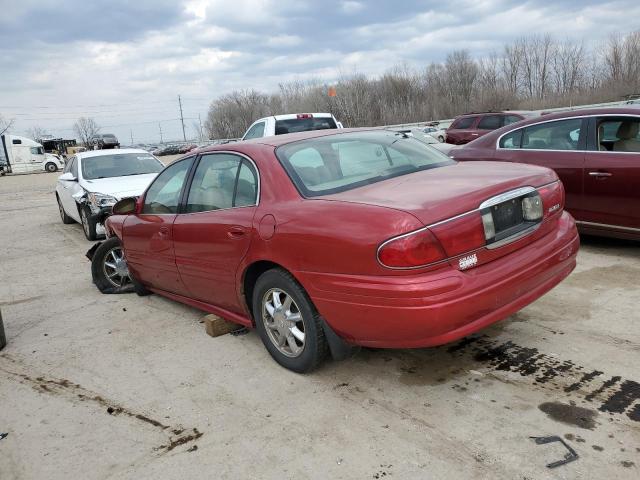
(336, 163)
(304, 124)
(119, 165)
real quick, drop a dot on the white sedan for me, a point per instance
(93, 181)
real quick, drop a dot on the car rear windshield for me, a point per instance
(304, 124)
(119, 165)
(336, 163)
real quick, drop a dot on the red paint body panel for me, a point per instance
(330, 245)
(602, 205)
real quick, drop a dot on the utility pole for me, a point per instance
(131, 137)
(160, 127)
(184, 135)
(200, 121)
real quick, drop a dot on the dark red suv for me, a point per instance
(470, 126)
(596, 154)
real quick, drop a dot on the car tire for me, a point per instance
(440, 138)
(51, 167)
(88, 224)
(281, 329)
(66, 219)
(109, 274)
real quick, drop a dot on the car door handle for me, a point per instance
(237, 232)
(600, 174)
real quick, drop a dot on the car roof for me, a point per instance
(116, 151)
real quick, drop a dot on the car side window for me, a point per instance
(256, 131)
(222, 181)
(559, 135)
(163, 196)
(618, 134)
(464, 122)
(490, 122)
(511, 139)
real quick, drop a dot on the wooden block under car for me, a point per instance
(216, 326)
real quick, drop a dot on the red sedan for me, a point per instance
(327, 240)
(596, 154)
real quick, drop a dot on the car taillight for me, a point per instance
(461, 234)
(304, 115)
(552, 196)
(411, 250)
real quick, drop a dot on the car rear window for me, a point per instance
(336, 163)
(304, 124)
(119, 165)
(464, 122)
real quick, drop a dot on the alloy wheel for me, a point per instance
(283, 322)
(115, 267)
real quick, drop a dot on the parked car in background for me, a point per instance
(427, 139)
(596, 154)
(290, 123)
(470, 126)
(436, 132)
(94, 181)
(23, 155)
(104, 141)
(324, 240)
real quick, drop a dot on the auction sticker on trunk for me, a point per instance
(468, 261)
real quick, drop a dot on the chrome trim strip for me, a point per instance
(604, 225)
(503, 197)
(498, 147)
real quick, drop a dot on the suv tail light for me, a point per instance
(552, 196)
(304, 115)
(411, 250)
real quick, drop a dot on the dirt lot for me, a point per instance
(119, 386)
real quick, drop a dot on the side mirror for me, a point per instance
(125, 206)
(68, 177)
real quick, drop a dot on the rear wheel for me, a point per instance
(51, 167)
(88, 224)
(66, 219)
(289, 326)
(440, 138)
(109, 266)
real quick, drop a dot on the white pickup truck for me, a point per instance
(290, 123)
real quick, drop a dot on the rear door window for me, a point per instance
(618, 134)
(558, 135)
(490, 122)
(463, 123)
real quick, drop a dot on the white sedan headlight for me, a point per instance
(99, 200)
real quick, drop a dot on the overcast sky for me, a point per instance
(124, 62)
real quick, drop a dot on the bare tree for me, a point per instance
(36, 132)
(5, 125)
(85, 128)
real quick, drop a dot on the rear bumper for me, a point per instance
(441, 306)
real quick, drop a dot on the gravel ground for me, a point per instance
(120, 386)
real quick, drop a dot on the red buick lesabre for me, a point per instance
(331, 239)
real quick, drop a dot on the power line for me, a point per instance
(103, 104)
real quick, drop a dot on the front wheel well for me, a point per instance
(251, 275)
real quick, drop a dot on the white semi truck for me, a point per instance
(23, 155)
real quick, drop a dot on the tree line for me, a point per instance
(531, 73)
